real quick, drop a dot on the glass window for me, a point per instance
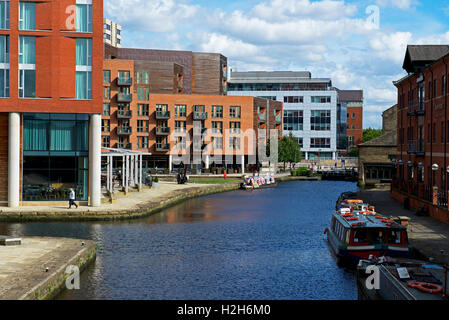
(143, 94)
(320, 120)
(106, 109)
(4, 15)
(27, 50)
(180, 110)
(27, 83)
(143, 110)
(27, 16)
(83, 87)
(84, 52)
(180, 126)
(234, 112)
(142, 125)
(106, 76)
(320, 99)
(142, 142)
(4, 49)
(320, 142)
(293, 99)
(293, 120)
(83, 18)
(106, 143)
(217, 111)
(142, 78)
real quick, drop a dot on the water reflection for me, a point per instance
(265, 244)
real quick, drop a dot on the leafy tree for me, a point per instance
(354, 153)
(289, 150)
(370, 133)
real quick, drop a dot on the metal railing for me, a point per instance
(442, 198)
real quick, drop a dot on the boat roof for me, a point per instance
(372, 220)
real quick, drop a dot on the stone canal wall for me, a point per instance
(36, 269)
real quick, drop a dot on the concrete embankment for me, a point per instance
(36, 269)
(427, 235)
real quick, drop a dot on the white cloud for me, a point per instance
(391, 46)
(401, 4)
(150, 16)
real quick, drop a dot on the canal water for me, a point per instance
(264, 244)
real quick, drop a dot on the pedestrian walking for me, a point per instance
(72, 199)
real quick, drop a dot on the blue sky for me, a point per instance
(330, 38)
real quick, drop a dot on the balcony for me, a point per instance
(162, 131)
(216, 131)
(124, 97)
(180, 130)
(126, 82)
(235, 131)
(127, 146)
(416, 147)
(124, 114)
(421, 109)
(262, 117)
(163, 115)
(278, 119)
(124, 131)
(199, 115)
(162, 147)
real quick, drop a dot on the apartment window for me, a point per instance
(216, 142)
(106, 109)
(143, 110)
(320, 99)
(234, 112)
(180, 110)
(84, 17)
(353, 115)
(235, 127)
(4, 15)
(293, 99)
(234, 143)
(105, 125)
(27, 16)
(106, 76)
(320, 120)
(106, 93)
(300, 142)
(107, 36)
(142, 125)
(4, 66)
(142, 142)
(217, 127)
(320, 142)
(293, 120)
(106, 143)
(107, 26)
(444, 85)
(142, 78)
(180, 126)
(143, 94)
(122, 142)
(217, 111)
(27, 67)
(123, 75)
(83, 68)
(350, 141)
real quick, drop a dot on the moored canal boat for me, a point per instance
(401, 279)
(258, 182)
(358, 233)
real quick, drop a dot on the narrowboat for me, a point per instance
(258, 182)
(344, 196)
(402, 279)
(358, 233)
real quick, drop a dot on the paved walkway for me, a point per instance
(426, 234)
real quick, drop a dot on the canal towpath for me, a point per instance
(427, 235)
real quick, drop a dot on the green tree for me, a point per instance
(370, 133)
(289, 150)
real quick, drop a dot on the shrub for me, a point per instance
(156, 179)
(302, 172)
(293, 173)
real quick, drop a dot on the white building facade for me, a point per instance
(310, 106)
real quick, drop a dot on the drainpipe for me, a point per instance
(431, 127)
(445, 125)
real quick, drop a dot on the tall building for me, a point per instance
(112, 33)
(193, 72)
(51, 57)
(310, 106)
(350, 105)
(163, 124)
(423, 129)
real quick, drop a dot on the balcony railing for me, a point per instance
(416, 108)
(162, 147)
(124, 146)
(162, 131)
(124, 97)
(442, 198)
(180, 130)
(124, 114)
(124, 81)
(235, 130)
(278, 118)
(416, 147)
(124, 130)
(262, 117)
(162, 114)
(199, 115)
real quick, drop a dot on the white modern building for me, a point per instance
(310, 106)
(112, 33)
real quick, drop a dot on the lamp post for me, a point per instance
(434, 170)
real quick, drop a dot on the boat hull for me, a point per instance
(265, 186)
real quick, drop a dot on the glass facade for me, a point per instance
(293, 120)
(278, 86)
(341, 126)
(4, 66)
(83, 69)
(320, 120)
(55, 156)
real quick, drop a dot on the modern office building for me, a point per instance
(310, 106)
(112, 33)
(173, 71)
(422, 163)
(163, 124)
(50, 100)
(349, 114)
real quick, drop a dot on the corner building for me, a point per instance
(51, 59)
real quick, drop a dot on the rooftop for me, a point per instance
(420, 56)
(275, 77)
(350, 95)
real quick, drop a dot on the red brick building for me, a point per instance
(51, 59)
(423, 130)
